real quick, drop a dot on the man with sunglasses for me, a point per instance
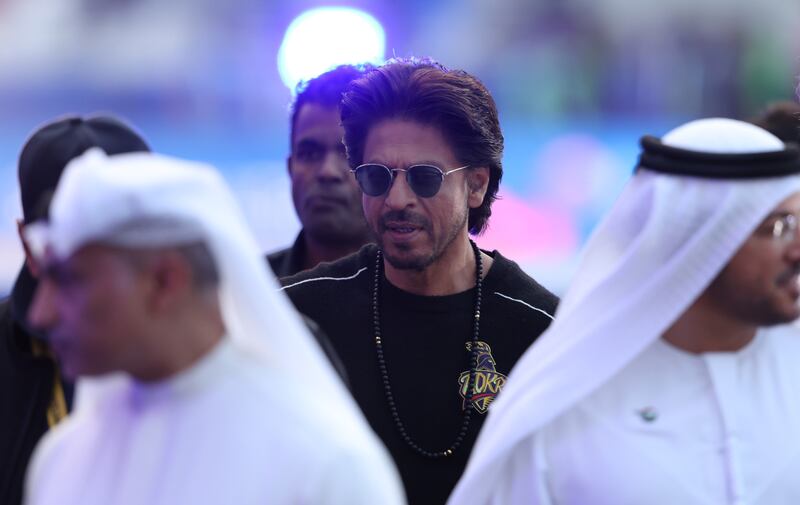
(326, 198)
(427, 324)
(670, 374)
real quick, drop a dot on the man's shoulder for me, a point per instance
(289, 260)
(337, 273)
(512, 287)
(15, 341)
(6, 318)
(275, 258)
(5, 311)
(325, 441)
(52, 456)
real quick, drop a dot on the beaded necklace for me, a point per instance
(376, 322)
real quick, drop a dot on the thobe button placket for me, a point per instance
(723, 374)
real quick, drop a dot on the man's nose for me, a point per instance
(334, 167)
(400, 194)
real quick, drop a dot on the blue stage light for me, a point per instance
(319, 39)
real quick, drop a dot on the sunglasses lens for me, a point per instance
(425, 180)
(373, 179)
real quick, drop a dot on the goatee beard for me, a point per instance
(417, 263)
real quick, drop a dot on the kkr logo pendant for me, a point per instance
(488, 381)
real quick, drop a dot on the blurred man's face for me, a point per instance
(760, 283)
(326, 196)
(92, 306)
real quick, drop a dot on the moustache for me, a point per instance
(787, 275)
(402, 216)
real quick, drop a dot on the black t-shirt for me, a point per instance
(425, 350)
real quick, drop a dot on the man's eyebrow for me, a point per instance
(777, 213)
(308, 143)
(437, 164)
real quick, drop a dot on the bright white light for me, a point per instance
(320, 39)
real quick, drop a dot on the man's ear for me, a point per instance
(171, 278)
(477, 184)
(289, 165)
(30, 262)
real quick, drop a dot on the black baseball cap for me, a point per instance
(51, 147)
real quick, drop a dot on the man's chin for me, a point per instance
(785, 315)
(332, 231)
(791, 315)
(788, 309)
(407, 260)
(74, 371)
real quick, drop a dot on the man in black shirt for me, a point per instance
(426, 324)
(33, 397)
(326, 198)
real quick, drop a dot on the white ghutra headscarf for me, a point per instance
(697, 195)
(149, 200)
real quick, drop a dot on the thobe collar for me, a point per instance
(194, 378)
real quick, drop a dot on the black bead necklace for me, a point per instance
(376, 322)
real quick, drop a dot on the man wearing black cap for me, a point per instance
(670, 372)
(32, 395)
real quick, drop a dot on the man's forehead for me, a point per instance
(397, 141)
(52, 263)
(92, 252)
(319, 122)
(85, 252)
(789, 204)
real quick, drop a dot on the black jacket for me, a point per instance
(288, 261)
(27, 385)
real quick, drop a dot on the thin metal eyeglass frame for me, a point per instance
(392, 172)
(785, 227)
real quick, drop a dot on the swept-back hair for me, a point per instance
(426, 92)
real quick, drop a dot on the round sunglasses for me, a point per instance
(425, 180)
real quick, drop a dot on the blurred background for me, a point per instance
(577, 82)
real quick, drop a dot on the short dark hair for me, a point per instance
(782, 119)
(424, 91)
(204, 268)
(198, 256)
(326, 89)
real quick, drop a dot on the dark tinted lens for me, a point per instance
(425, 180)
(374, 179)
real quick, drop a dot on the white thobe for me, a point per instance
(674, 427)
(228, 430)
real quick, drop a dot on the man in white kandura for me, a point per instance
(223, 396)
(670, 374)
